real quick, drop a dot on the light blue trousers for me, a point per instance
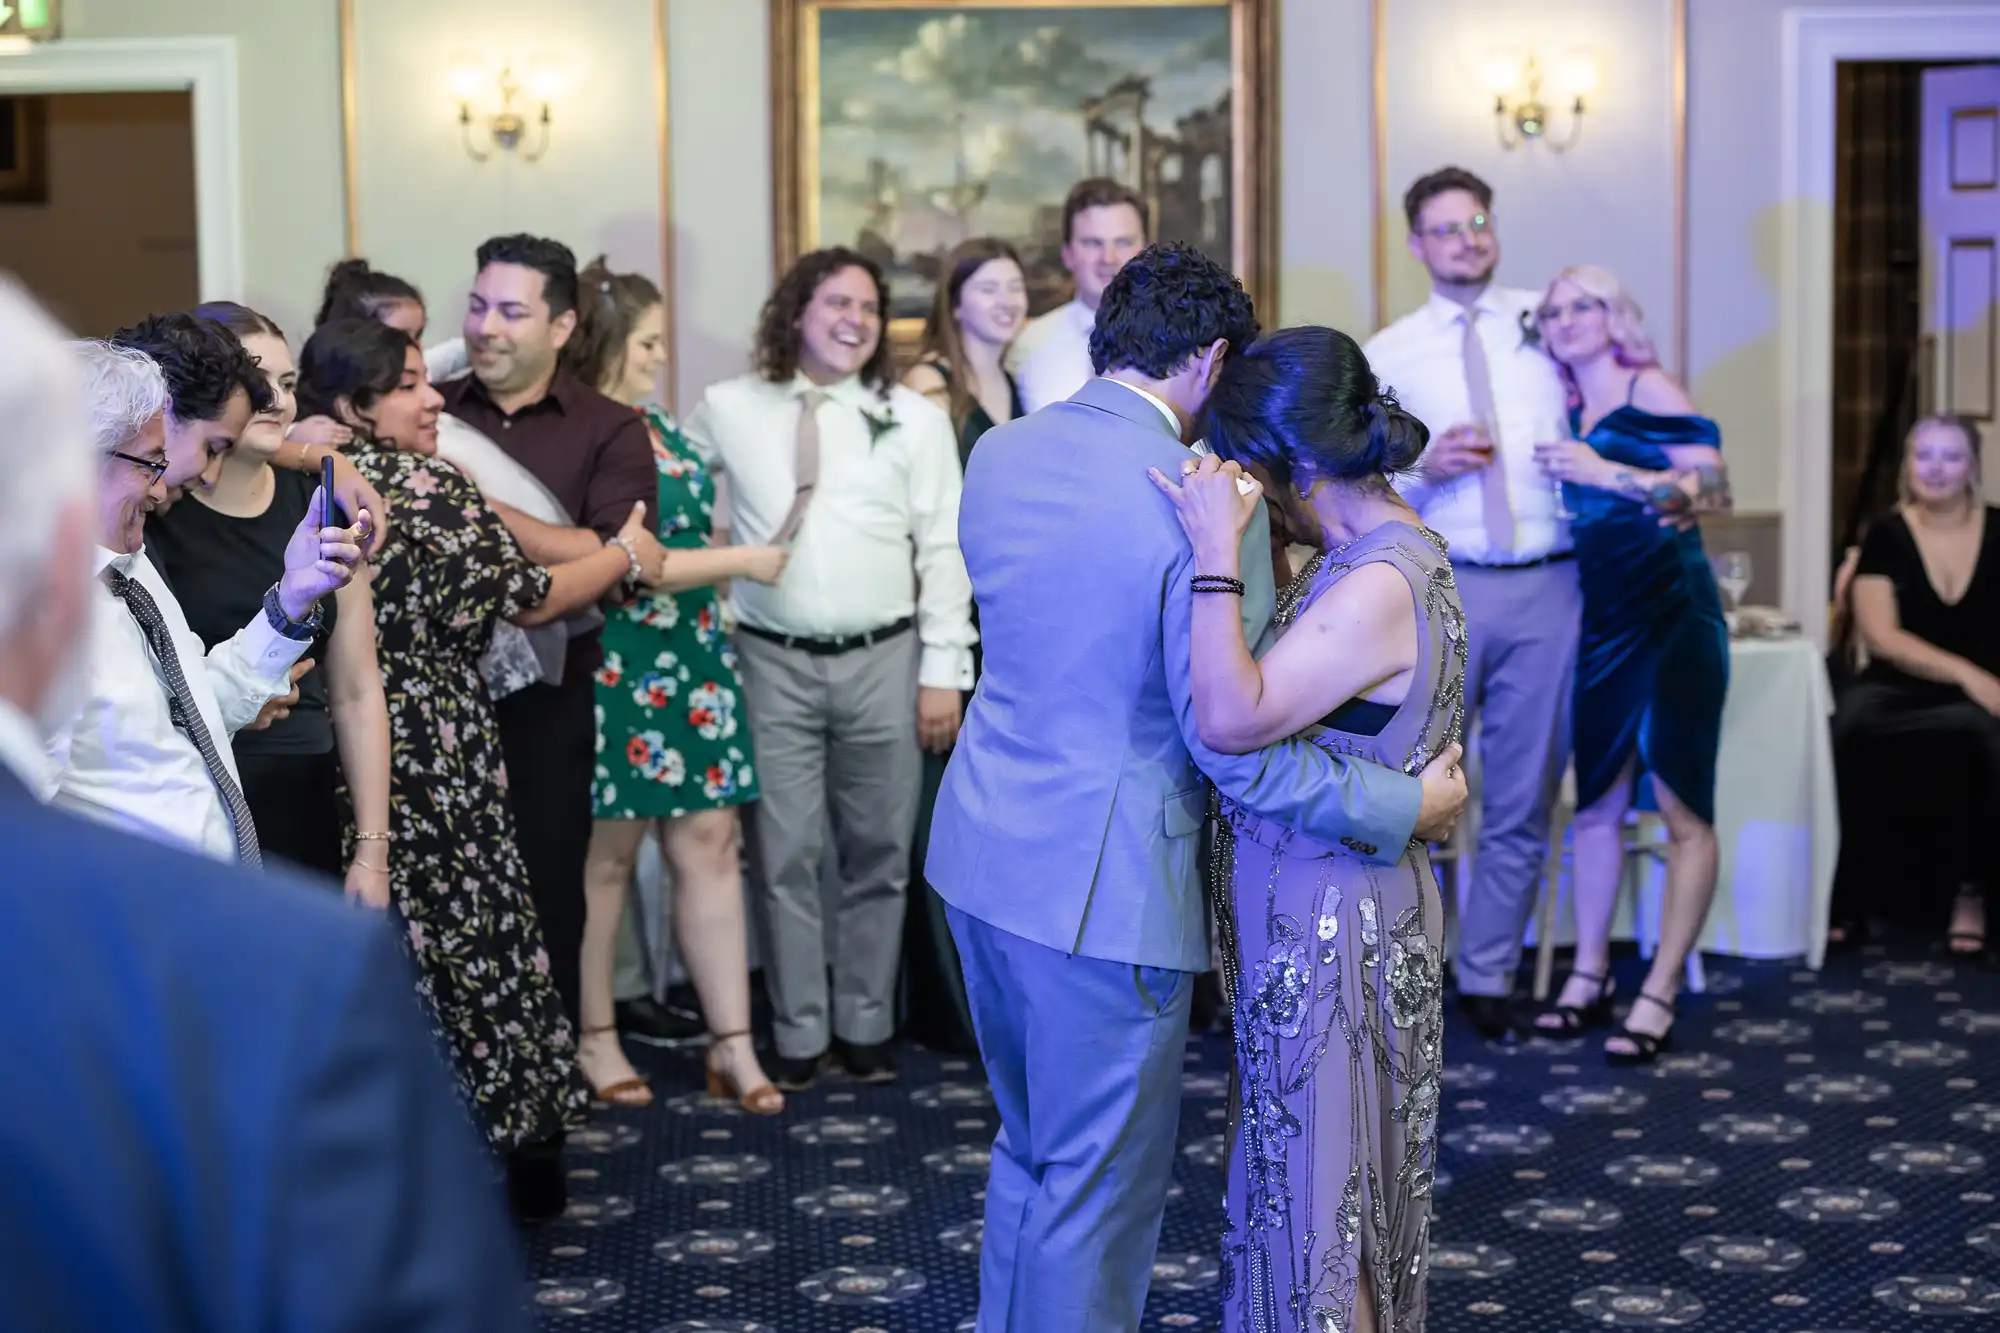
(1084, 1057)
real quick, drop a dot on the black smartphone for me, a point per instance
(326, 488)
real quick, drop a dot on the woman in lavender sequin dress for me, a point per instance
(1335, 963)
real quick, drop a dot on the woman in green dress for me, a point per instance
(672, 745)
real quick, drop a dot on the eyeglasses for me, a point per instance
(155, 468)
(1577, 309)
(1479, 224)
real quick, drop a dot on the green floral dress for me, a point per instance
(670, 733)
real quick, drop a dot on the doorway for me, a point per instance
(97, 204)
(1817, 41)
(1915, 306)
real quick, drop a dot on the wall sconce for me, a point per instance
(1518, 119)
(506, 127)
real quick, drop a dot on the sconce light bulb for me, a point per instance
(1577, 74)
(1502, 73)
(467, 82)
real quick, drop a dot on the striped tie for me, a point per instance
(186, 717)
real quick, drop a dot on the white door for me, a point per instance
(1961, 224)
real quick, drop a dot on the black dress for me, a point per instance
(934, 1006)
(219, 568)
(1917, 761)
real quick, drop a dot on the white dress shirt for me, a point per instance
(121, 760)
(1051, 359)
(1421, 357)
(852, 567)
(21, 751)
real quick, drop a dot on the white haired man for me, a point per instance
(148, 746)
(258, 1132)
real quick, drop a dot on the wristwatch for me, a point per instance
(299, 631)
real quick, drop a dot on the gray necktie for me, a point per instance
(805, 466)
(1494, 506)
(187, 717)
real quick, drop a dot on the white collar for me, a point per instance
(1448, 312)
(23, 749)
(104, 558)
(1173, 418)
(849, 392)
(1081, 315)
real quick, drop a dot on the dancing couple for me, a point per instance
(1123, 582)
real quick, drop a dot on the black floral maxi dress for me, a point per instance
(448, 572)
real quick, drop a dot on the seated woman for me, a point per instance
(1337, 965)
(1926, 608)
(1652, 659)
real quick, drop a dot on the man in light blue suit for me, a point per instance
(1067, 839)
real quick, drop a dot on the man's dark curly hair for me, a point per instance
(204, 364)
(1164, 306)
(555, 261)
(778, 338)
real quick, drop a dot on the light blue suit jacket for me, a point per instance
(1071, 809)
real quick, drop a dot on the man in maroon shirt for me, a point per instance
(592, 455)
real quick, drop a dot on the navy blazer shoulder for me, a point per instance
(223, 1109)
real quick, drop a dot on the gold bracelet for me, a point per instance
(373, 837)
(380, 870)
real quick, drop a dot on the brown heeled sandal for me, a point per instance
(626, 1091)
(764, 1099)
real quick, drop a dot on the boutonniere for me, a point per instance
(879, 426)
(1531, 329)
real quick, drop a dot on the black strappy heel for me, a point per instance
(1572, 1019)
(1646, 1047)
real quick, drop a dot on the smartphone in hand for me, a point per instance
(329, 518)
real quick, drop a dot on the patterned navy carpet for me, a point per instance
(1817, 1156)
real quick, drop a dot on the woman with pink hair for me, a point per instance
(1653, 656)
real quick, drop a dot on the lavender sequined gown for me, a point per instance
(1336, 969)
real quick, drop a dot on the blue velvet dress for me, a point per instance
(1652, 662)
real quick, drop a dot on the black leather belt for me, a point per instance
(1525, 564)
(845, 643)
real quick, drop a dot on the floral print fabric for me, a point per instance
(448, 572)
(670, 733)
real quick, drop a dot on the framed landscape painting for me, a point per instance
(903, 127)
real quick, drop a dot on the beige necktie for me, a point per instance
(805, 466)
(1493, 505)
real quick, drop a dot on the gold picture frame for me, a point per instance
(1194, 88)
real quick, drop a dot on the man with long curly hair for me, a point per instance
(855, 657)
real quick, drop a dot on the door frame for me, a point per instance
(1815, 41)
(203, 67)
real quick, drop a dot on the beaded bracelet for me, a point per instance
(1216, 583)
(371, 837)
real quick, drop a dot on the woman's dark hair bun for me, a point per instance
(1396, 439)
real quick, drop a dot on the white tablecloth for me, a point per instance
(1776, 817)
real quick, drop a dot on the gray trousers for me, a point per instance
(835, 734)
(1520, 628)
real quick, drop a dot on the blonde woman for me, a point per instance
(1652, 661)
(1925, 602)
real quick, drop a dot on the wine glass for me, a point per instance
(1732, 576)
